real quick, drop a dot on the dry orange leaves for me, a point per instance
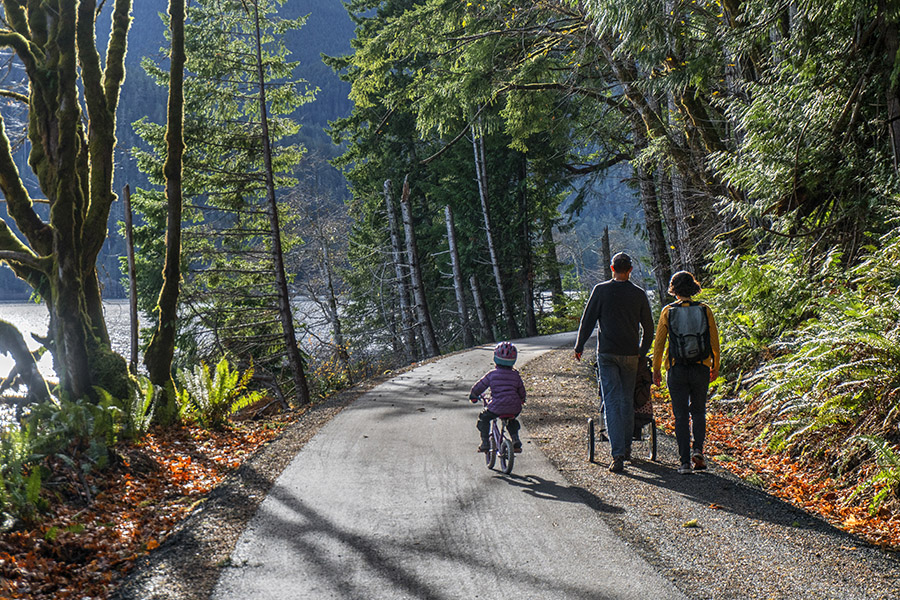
(83, 548)
(808, 486)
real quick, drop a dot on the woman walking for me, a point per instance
(687, 331)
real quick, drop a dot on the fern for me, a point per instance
(20, 475)
(209, 398)
(139, 413)
(887, 480)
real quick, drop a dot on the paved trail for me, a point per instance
(390, 500)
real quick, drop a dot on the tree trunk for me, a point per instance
(607, 253)
(659, 256)
(73, 165)
(158, 357)
(487, 331)
(512, 329)
(892, 94)
(458, 285)
(409, 337)
(412, 252)
(552, 268)
(132, 282)
(336, 328)
(527, 251)
(295, 360)
(12, 343)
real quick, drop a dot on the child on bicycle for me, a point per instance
(507, 396)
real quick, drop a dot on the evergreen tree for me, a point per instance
(228, 304)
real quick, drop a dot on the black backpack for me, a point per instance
(688, 333)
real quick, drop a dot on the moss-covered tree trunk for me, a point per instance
(71, 103)
(160, 351)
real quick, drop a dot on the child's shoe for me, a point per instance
(484, 447)
(517, 446)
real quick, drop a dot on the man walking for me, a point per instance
(626, 333)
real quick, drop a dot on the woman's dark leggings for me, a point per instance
(484, 426)
(688, 388)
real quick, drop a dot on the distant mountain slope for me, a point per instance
(328, 30)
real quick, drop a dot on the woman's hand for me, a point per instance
(657, 378)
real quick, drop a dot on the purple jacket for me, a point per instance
(507, 391)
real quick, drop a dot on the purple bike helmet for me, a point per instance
(505, 354)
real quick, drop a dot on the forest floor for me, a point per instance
(174, 504)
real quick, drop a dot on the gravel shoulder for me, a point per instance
(746, 544)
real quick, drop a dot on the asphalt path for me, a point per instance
(391, 500)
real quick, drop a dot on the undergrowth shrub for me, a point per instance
(887, 479)
(329, 376)
(757, 298)
(20, 476)
(566, 319)
(208, 398)
(837, 373)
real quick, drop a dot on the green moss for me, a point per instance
(109, 371)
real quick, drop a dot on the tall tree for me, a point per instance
(229, 300)
(458, 282)
(158, 357)
(71, 101)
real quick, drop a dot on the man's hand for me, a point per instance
(578, 356)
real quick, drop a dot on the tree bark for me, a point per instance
(336, 328)
(73, 164)
(458, 285)
(512, 328)
(408, 333)
(295, 360)
(552, 268)
(607, 253)
(527, 251)
(422, 313)
(12, 343)
(132, 282)
(892, 93)
(160, 351)
(659, 256)
(487, 331)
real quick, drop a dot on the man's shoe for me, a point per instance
(628, 455)
(685, 469)
(699, 461)
(617, 465)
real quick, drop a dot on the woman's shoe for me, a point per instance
(699, 461)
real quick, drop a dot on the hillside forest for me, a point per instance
(460, 175)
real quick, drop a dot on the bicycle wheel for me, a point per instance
(506, 456)
(591, 434)
(490, 457)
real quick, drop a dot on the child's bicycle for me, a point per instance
(500, 446)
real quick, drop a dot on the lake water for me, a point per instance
(34, 318)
